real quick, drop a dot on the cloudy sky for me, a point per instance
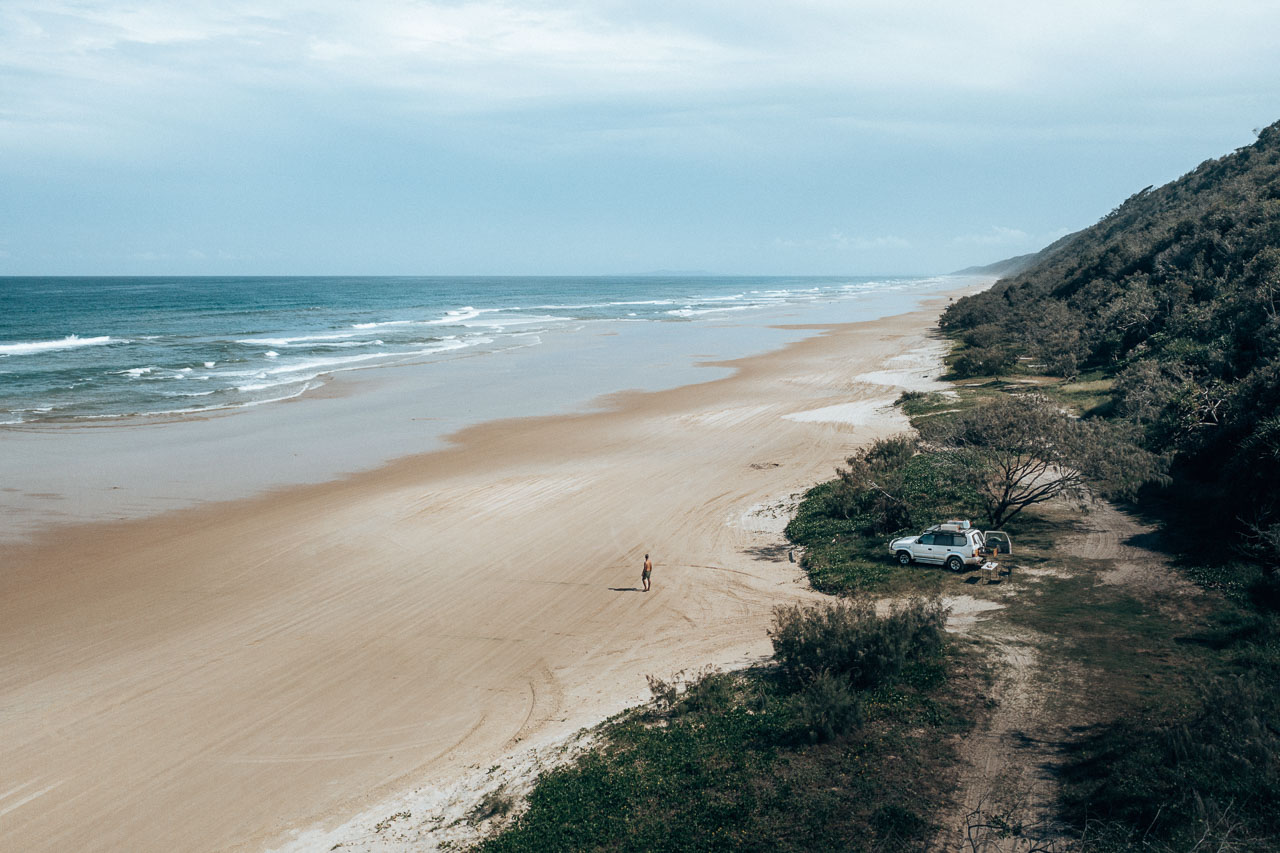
(612, 136)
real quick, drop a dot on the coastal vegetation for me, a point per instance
(1138, 360)
(1170, 735)
(1172, 302)
(845, 741)
(1168, 308)
(1134, 364)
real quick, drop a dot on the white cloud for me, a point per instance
(997, 235)
(87, 60)
(862, 243)
(840, 241)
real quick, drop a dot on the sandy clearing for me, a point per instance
(224, 677)
(855, 414)
(913, 371)
(1010, 764)
(1007, 764)
(1111, 534)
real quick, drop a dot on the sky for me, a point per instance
(414, 137)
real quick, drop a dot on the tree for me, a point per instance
(872, 483)
(1021, 450)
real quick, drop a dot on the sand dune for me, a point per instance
(218, 678)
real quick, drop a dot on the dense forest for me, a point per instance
(1174, 298)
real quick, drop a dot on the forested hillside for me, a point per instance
(1174, 299)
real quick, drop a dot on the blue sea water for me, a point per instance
(107, 348)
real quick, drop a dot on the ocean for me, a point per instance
(115, 349)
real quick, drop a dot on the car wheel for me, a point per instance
(904, 557)
(954, 563)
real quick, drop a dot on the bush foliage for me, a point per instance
(1176, 293)
(755, 760)
(1208, 778)
(847, 640)
(1022, 449)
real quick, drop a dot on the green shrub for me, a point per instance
(984, 335)
(982, 361)
(1208, 779)
(665, 693)
(895, 825)
(828, 708)
(910, 396)
(848, 640)
(707, 691)
(869, 488)
(712, 692)
(914, 403)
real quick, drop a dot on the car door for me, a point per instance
(946, 544)
(998, 541)
(923, 549)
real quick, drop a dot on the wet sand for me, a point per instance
(224, 676)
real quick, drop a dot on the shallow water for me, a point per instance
(104, 348)
(85, 460)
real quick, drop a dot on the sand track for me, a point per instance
(1010, 763)
(218, 678)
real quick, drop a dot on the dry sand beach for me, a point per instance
(224, 677)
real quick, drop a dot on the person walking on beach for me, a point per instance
(645, 572)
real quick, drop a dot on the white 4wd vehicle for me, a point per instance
(954, 544)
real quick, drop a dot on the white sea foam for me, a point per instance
(598, 305)
(324, 364)
(261, 386)
(134, 372)
(204, 409)
(294, 341)
(646, 302)
(696, 312)
(384, 323)
(503, 322)
(313, 368)
(461, 315)
(69, 342)
(343, 344)
(188, 393)
(271, 354)
(210, 364)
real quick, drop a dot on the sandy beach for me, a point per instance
(226, 676)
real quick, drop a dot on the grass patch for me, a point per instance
(787, 757)
(1135, 654)
(1089, 395)
(923, 403)
(840, 559)
(1181, 747)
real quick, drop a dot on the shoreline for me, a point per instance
(70, 472)
(265, 665)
